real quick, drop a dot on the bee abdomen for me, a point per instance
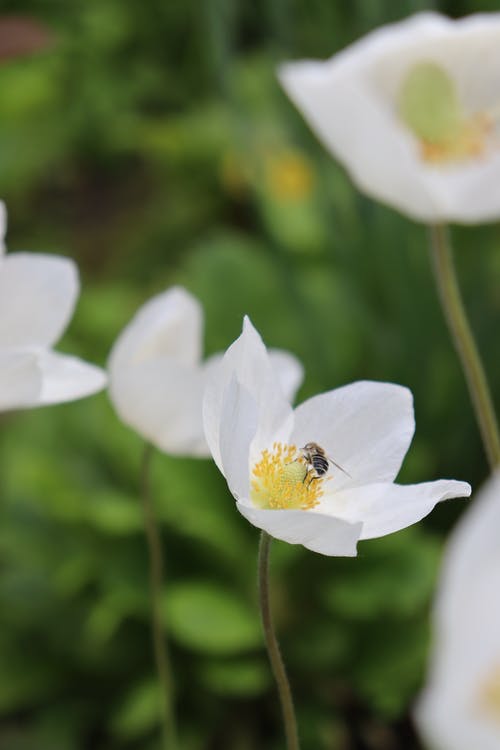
(320, 464)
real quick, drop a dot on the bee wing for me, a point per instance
(339, 466)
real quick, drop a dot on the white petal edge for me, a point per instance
(248, 361)
(161, 399)
(366, 427)
(168, 325)
(20, 379)
(38, 294)
(466, 646)
(66, 378)
(472, 549)
(384, 508)
(289, 370)
(317, 532)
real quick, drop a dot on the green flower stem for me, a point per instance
(156, 583)
(460, 330)
(273, 649)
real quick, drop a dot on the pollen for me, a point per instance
(282, 480)
(471, 142)
(428, 103)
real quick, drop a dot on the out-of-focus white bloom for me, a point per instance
(412, 111)
(256, 439)
(38, 294)
(157, 376)
(459, 708)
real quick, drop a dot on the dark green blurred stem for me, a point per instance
(273, 649)
(156, 583)
(461, 333)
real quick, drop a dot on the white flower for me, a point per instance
(37, 298)
(255, 438)
(157, 375)
(459, 708)
(412, 110)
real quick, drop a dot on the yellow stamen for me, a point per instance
(429, 105)
(471, 142)
(281, 479)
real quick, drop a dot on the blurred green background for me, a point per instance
(151, 142)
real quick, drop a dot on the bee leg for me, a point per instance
(311, 478)
(308, 471)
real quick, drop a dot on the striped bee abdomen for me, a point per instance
(319, 463)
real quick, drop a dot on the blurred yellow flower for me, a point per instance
(289, 176)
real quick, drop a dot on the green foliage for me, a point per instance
(153, 145)
(205, 617)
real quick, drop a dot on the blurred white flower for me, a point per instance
(256, 439)
(157, 376)
(37, 298)
(459, 708)
(412, 111)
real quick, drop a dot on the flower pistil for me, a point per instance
(429, 105)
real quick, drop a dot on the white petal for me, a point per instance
(472, 551)
(349, 101)
(39, 377)
(248, 361)
(289, 371)
(168, 325)
(447, 722)
(365, 427)
(37, 297)
(385, 508)
(161, 399)
(451, 712)
(286, 366)
(317, 531)
(20, 380)
(239, 420)
(66, 378)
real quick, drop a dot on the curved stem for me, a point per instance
(460, 330)
(156, 583)
(273, 649)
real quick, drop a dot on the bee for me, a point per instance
(317, 462)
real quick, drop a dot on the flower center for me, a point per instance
(429, 106)
(489, 696)
(281, 479)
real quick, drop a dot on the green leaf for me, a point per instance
(393, 576)
(139, 712)
(114, 512)
(236, 678)
(206, 617)
(428, 103)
